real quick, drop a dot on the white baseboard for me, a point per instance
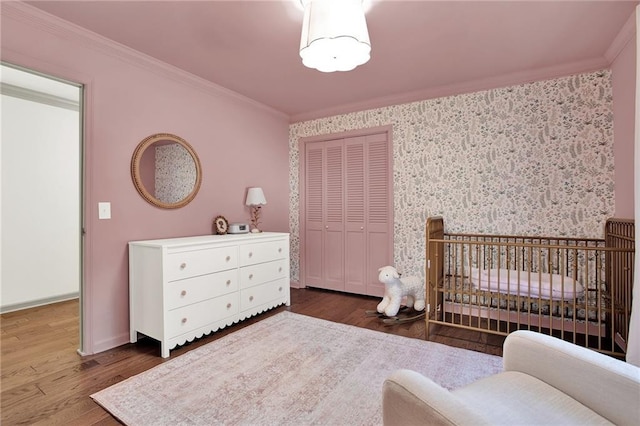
(38, 302)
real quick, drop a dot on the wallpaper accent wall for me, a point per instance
(535, 158)
(175, 173)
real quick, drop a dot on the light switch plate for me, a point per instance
(104, 210)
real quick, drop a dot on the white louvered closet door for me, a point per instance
(348, 227)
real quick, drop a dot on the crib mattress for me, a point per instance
(522, 283)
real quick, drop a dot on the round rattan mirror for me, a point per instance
(166, 171)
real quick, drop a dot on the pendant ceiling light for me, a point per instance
(334, 35)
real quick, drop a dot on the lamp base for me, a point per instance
(255, 231)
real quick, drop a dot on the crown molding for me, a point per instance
(494, 82)
(53, 25)
(626, 34)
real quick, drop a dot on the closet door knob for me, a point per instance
(326, 227)
(183, 265)
(361, 228)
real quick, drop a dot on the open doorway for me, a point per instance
(41, 189)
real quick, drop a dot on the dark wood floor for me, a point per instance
(45, 381)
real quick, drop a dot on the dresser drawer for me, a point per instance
(264, 293)
(263, 252)
(193, 290)
(185, 264)
(191, 317)
(263, 272)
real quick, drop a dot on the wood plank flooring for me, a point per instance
(44, 380)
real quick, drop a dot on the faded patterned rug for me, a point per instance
(287, 369)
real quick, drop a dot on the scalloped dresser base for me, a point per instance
(212, 328)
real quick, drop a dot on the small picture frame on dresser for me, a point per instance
(220, 225)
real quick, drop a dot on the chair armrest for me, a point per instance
(409, 398)
(608, 386)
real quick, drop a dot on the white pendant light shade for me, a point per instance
(334, 35)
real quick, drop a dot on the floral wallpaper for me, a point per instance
(175, 173)
(535, 158)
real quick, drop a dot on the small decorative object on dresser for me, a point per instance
(183, 288)
(238, 228)
(220, 225)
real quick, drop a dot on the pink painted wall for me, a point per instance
(240, 143)
(623, 75)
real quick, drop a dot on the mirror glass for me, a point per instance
(166, 171)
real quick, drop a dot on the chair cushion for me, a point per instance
(513, 398)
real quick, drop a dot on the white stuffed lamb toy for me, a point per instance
(395, 289)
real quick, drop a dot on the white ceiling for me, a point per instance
(420, 49)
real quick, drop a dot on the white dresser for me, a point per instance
(183, 288)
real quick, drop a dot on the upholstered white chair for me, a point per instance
(545, 381)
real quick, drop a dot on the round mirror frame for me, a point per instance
(137, 179)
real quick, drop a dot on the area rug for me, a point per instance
(287, 369)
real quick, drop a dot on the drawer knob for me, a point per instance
(250, 298)
(183, 265)
(280, 288)
(250, 276)
(228, 258)
(250, 254)
(184, 320)
(280, 269)
(228, 282)
(280, 250)
(183, 293)
(228, 305)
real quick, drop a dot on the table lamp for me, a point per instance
(255, 200)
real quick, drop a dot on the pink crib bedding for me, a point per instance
(522, 283)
